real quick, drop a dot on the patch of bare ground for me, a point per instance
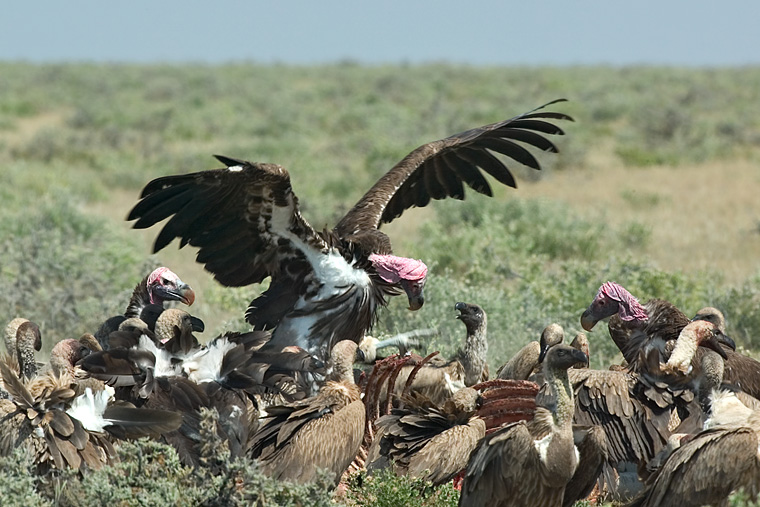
(26, 128)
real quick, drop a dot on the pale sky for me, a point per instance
(552, 32)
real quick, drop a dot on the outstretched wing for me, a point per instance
(244, 219)
(438, 170)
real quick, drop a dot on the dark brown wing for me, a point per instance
(438, 170)
(244, 219)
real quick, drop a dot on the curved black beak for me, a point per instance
(198, 325)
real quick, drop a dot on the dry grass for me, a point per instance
(700, 217)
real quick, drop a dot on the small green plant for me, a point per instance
(386, 489)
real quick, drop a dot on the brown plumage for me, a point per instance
(147, 302)
(707, 468)
(324, 431)
(522, 364)
(60, 425)
(529, 464)
(427, 441)
(440, 378)
(739, 370)
(633, 326)
(170, 370)
(592, 455)
(327, 286)
(638, 412)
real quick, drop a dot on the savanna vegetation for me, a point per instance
(655, 187)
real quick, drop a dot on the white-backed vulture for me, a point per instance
(170, 370)
(581, 343)
(326, 286)
(709, 466)
(321, 432)
(529, 464)
(426, 441)
(60, 427)
(739, 370)
(638, 412)
(439, 378)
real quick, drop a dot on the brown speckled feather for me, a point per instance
(665, 323)
(325, 431)
(426, 441)
(706, 469)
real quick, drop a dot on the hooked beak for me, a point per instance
(542, 353)
(727, 341)
(713, 343)
(414, 292)
(198, 325)
(186, 294)
(580, 356)
(587, 321)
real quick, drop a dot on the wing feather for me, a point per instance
(410, 183)
(244, 219)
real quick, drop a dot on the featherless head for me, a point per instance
(164, 285)
(29, 334)
(630, 309)
(713, 315)
(552, 335)
(69, 351)
(409, 273)
(10, 334)
(612, 298)
(393, 269)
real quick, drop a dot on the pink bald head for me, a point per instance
(611, 299)
(630, 308)
(164, 285)
(408, 273)
(394, 269)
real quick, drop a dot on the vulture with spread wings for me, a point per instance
(327, 286)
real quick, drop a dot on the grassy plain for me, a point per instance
(655, 186)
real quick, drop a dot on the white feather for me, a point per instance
(88, 408)
(205, 364)
(542, 446)
(235, 168)
(164, 366)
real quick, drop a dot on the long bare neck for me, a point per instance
(26, 361)
(474, 354)
(564, 407)
(556, 448)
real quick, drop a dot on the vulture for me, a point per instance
(635, 328)
(638, 411)
(529, 463)
(170, 370)
(426, 441)
(321, 432)
(706, 467)
(709, 467)
(147, 302)
(327, 285)
(439, 379)
(64, 424)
